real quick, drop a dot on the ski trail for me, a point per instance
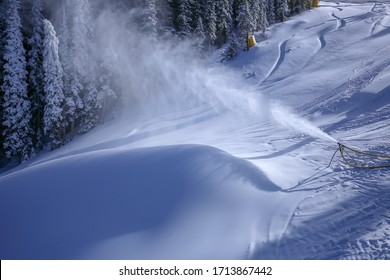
(356, 228)
(355, 83)
(279, 59)
(374, 26)
(322, 42)
(378, 8)
(340, 22)
(382, 10)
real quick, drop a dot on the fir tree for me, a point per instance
(72, 84)
(53, 87)
(223, 20)
(263, 19)
(233, 49)
(81, 32)
(271, 18)
(245, 21)
(172, 8)
(259, 10)
(281, 9)
(2, 44)
(184, 19)
(35, 78)
(85, 65)
(106, 95)
(16, 107)
(211, 21)
(81, 83)
(200, 35)
(89, 118)
(150, 20)
(98, 100)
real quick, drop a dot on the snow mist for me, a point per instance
(163, 75)
(286, 118)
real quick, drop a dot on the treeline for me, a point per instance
(216, 22)
(52, 86)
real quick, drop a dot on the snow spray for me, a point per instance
(286, 118)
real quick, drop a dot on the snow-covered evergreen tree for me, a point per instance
(86, 64)
(172, 13)
(98, 100)
(233, 49)
(223, 20)
(106, 94)
(259, 12)
(245, 22)
(271, 17)
(210, 21)
(53, 87)
(184, 19)
(89, 118)
(150, 20)
(81, 31)
(16, 107)
(2, 44)
(72, 84)
(200, 35)
(35, 77)
(281, 9)
(82, 80)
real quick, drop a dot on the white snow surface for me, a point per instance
(248, 182)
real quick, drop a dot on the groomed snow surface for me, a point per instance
(248, 181)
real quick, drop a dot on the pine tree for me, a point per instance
(172, 11)
(233, 49)
(150, 20)
(2, 44)
(106, 95)
(281, 9)
(89, 118)
(210, 21)
(35, 78)
(99, 99)
(81, 32)
(72, 85)
(81, 82)
(245, 22)
(200, 35)
(85, 65)
(259, 11)
(223, 20)
(271, 11)
(53, 87)
(16, 107)
(184, 19)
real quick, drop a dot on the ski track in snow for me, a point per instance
(340, 22)
(279, 60)
(382, 21)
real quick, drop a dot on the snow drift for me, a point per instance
(77, 202)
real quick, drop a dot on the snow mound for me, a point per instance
(80, 201)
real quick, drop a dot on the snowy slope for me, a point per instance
(246, 178)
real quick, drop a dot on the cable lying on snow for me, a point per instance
(351, 161)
